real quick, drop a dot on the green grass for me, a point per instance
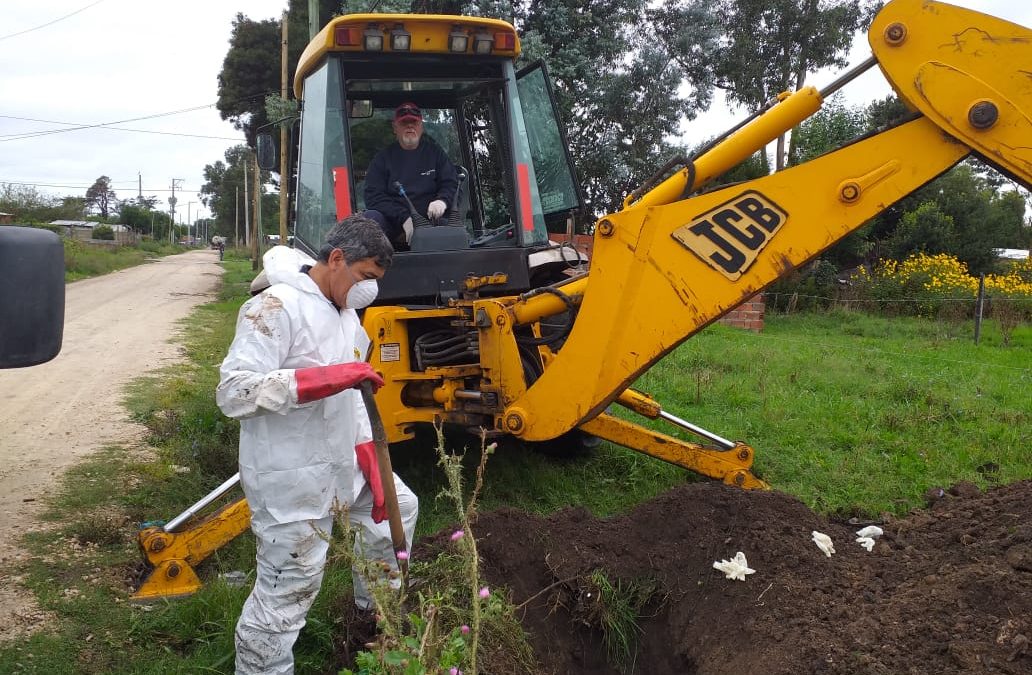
(849, 412)
(84, 260)
(855, 413)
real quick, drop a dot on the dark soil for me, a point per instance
(945, 590)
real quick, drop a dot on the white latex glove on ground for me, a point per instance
(407, 227)
(736, 568)
(866, 536)
(823, 542)
(436, 209)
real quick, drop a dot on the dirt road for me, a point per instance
(117, 327)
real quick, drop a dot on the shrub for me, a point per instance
(103, 232)
(813, 287)
(940, 286)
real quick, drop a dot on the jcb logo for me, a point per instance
(731, 236)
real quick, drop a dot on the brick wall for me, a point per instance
(748, 315)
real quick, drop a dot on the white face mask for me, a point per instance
(362, 293)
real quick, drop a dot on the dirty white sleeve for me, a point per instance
(252, 381)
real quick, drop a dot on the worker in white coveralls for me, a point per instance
(305, 440)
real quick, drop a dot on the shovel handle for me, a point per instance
(383, 458)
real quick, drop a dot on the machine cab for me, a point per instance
(498, 127)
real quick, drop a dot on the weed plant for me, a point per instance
(84, 260)
(440, 627)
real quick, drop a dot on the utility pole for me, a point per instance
(256, 239)
(172, 211)
(283, 183)
(313, 18)
(139, 178)
(190, 222)
(236, 220)
(247, 211)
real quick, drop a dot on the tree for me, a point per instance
(101, 197)
(620, 93)
(769, 46)
(834, 125)
(249, 72)
(251, 69)
(139, 214)
(223, 182)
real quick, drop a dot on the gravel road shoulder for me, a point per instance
(117, 328)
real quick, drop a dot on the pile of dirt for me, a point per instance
(945, 590)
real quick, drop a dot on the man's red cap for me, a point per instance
(407, 111)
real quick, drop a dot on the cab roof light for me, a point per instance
(347, 36)
(401, 40)
(458, 41)
(373, 38)
(505, 41)
(483, 43)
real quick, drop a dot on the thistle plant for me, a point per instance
(426, 631)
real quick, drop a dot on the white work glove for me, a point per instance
(736, 568)
(823, 542)
(407, 227)
(866, 536)
(436, 209)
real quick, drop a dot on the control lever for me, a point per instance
(418, 220)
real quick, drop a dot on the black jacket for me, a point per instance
(426, 174)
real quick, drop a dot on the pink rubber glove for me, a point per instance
(366, 453)
(322, 381)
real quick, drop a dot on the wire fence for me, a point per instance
(1009, 312)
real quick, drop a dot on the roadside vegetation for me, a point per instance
(83, 260)
(852, 413)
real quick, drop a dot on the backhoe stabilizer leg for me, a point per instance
(174, 556)
(732, 466)
(171, 578)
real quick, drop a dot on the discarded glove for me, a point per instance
(823, 542)
(736, 568)
(866, 536)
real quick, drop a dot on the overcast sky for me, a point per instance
(104, 61)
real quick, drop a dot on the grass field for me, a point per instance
(851, 413)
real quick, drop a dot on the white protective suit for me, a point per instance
(297, 459)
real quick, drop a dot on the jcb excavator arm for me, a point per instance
(666, 266)
(663, 269)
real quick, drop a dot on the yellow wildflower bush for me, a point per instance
(940, 285)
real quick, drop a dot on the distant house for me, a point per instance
(82, 230)
(1011, 253)
(6, 218)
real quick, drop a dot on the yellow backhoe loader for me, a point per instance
(486, 324)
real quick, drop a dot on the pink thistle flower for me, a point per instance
(458, 534)
(485, 592)
(402, 555)
(464, 629)
(454, 671)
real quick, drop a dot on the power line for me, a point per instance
(105, 127)
(17, 137)
(86, 187)
(104, 124)
(51, 23)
